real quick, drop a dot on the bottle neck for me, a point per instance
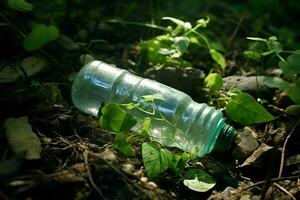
(225, 138)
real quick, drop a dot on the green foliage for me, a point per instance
(21, 138)
(123, 146)
(214, 81)
(40, 35)
(179, 162)
(219, 58)
(170, 48)
(20, 5)
(294, 91)
(274, 82)
(245, 110)
(156, 160)
(292, 65)
(114, 118)
(198, 180)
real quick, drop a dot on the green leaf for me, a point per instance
(123, 146)
(294, 92)
(145, 127)
(114, 118)
(219, 58)
(244, 109)
(156, 160)
(181, 44)
(214, 81)
(39, 36)
(203, 22)
(274, 82)
(254, 55)
(198, 180)
(257, 39)
(20, 5)
(21, 138)
(185, 25)
(179, 162)
(292, 66)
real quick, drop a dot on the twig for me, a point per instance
(235, 31)
(85, 156)
(272, 180)
(283, 150)
(284, 190)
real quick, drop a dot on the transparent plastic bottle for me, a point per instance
(190, 126)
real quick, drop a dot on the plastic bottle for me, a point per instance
(188, 125)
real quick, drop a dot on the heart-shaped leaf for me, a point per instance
(20, 5)
(218, 57)
(244, 109)
(21, 138)
(156, 160)
(114, 118)
(214, 81)
(198, 180)
(39, 36)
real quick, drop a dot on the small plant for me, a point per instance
(170, 48)
(156, 158)
(289, 66)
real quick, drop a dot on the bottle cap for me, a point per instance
(225, 138)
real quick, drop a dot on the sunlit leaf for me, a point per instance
(114, 118)
(219, 58)
(198, 180)
(214, 81)
(20, 5)
(181, 44)
(21, 138)
(185, 25)
(123, 146)
(245, 110)
(156, 160)
(39, 36)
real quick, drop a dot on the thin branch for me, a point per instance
(283, 150)
(272, 180)
(284, 190)
(85, 156)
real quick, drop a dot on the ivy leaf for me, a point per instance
(294, 92)
(21, 138)
(181, 44)
(39, 36)
(214, 81)
(218, 57)
(198, 180)
(244, 109)
(156, 160)
(20, 5)
(292, 65)
(179, 162)
(114, 118)
(274, 82)
(123, 146)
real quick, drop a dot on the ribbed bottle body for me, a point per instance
(176, 120)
